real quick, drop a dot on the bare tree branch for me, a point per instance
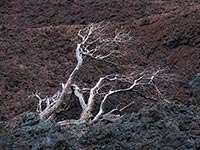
(144, 78)
(79, 94)
(93, 43)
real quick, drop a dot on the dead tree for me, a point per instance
(95, 44)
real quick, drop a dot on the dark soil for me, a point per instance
(38, 39)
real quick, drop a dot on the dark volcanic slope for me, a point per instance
(37, 43)
(161, 126)
(31, 13)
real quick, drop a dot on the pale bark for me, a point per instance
(65, 87)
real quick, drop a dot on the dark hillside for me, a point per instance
(37, 46)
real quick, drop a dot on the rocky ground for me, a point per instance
(161, 126)
(37, 41)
